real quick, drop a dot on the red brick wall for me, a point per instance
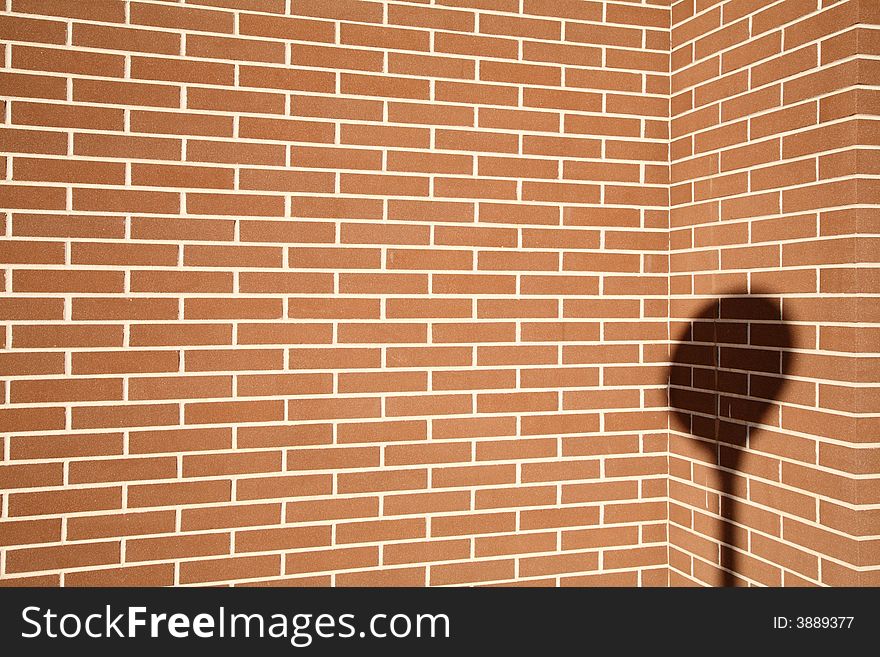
(313, 292)
(774, 192)
(347, 293)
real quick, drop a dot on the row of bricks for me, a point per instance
(54, 418)
(697, 37)
(249, 489)
(539, 20)
(221, 387)
(834, 424)
(744, 154)
(485, 570)
(276, 537)
(164, 575)
(138, 309)
(321, 308)
(50, 197)
(355, 257)
(107, 245)
(647, 370)
(302, 127)
(615, 494)
(506, 446)
(794, 499)
(780, 550)
(266, 39)
(161, 146)
(29, 391)
(215, 545)
(831, 397)
(762, 509)
(693, 180)
(622, 70)
(171, 281)
(192, 177)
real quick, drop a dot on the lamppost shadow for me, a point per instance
(727, 369)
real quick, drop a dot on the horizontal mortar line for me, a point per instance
(804, 464)
(403, 566)
(775, 215)
(323, 396)
(296, 296)
(387, 175)
(260, 168)
(536, 461)
(280, 194)
(99, 266)
(328, 195)
(376, 444)
(781, 28)
(357, 396)
(425, 126)
(834, 382)
(831, 237)
(304, 473)
(808, 157)
(310, 524)
(694, 580)
(327, 345)
(295, 552)
(230, 139)
(323, 169)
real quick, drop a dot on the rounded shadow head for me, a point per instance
(728, 367)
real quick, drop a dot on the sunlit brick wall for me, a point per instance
(774, 137)
(307, 292)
